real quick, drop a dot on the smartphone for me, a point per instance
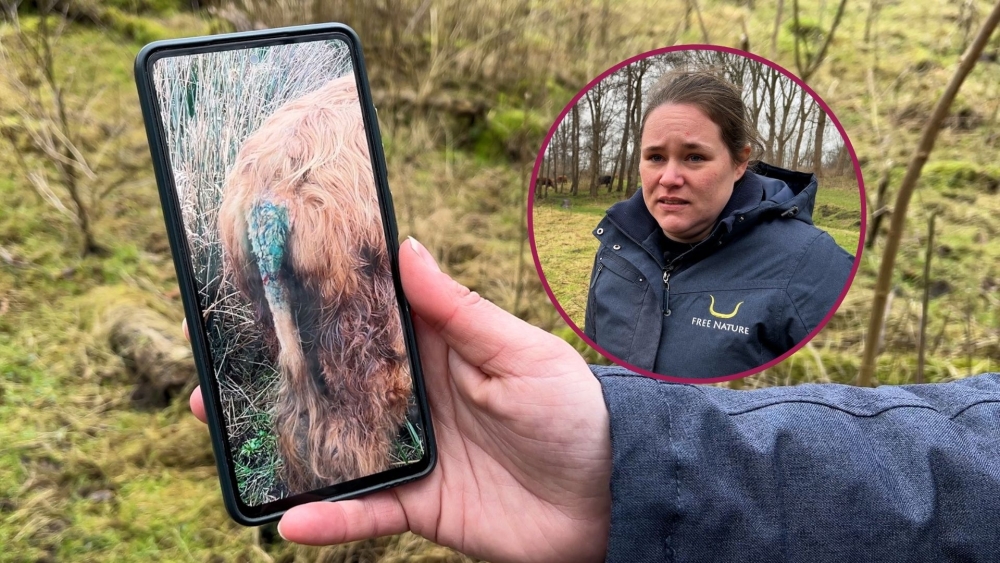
(270, 168)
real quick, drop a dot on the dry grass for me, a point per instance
(85, 477)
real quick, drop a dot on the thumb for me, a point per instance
(325, 523)
(485, 335)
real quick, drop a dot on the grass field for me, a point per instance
(87, 476)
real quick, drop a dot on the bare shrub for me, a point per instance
(55, 137)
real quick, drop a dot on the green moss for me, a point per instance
(966, 177)
(148, 7)
(806, 28)
(135, 28)
(507, 132)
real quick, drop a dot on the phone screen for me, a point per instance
(286, 235)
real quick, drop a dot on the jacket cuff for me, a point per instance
(644, 485)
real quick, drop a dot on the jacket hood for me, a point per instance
(766, 192)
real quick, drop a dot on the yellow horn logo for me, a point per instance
(711, 309)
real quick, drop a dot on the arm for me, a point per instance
(819, 278)
(808, 473)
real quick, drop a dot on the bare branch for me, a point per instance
(898, 223)
(807, 67)
(41, 185)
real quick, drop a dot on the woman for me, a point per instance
(625, 468)
(715, 267)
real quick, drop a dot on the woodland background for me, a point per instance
(100, 459)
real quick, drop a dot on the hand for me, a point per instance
(523, 437)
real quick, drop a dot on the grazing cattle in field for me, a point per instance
(303, 241)
(560, 181)
(543, 181)
(604, 181)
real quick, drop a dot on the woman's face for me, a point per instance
(687, 172)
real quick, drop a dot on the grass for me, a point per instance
(838, 212)
(409, 447)
(566, 250)
(84, 476)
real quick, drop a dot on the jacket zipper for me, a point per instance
(669, 268)
(666, 290)
(597, 275)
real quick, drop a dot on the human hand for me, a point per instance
(523, 438)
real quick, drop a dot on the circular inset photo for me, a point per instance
(697, 214)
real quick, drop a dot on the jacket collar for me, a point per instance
(763, 192)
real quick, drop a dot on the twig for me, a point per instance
(812, 63)
(777, 26)
(701, 22)
(819, 362)
(922, 336)
(927, 139)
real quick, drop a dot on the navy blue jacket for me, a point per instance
(817, 473)
(763, 279)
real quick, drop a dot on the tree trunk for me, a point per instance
(633, 168)
(873, 8)
(756, 102)
(626, 130)
(66, 169)
(594, 100)
(879, 210)
(805, 108)
(693, 5)
(783, 131)
(811, 64)
(924, 148)
(772, 106)
(818, 146)
(575, 136)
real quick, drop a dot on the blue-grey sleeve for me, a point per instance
(808, 473)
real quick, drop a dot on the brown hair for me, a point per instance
(329, 314)
(721, 101)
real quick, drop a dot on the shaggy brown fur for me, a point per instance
(329, 314)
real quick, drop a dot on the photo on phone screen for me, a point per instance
(280, 209)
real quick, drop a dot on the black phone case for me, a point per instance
(240, 512)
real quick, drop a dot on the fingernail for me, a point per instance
(279, 529)
(423, 253)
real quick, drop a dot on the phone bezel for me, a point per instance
(240, 512)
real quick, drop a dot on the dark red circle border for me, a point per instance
(830, 115)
